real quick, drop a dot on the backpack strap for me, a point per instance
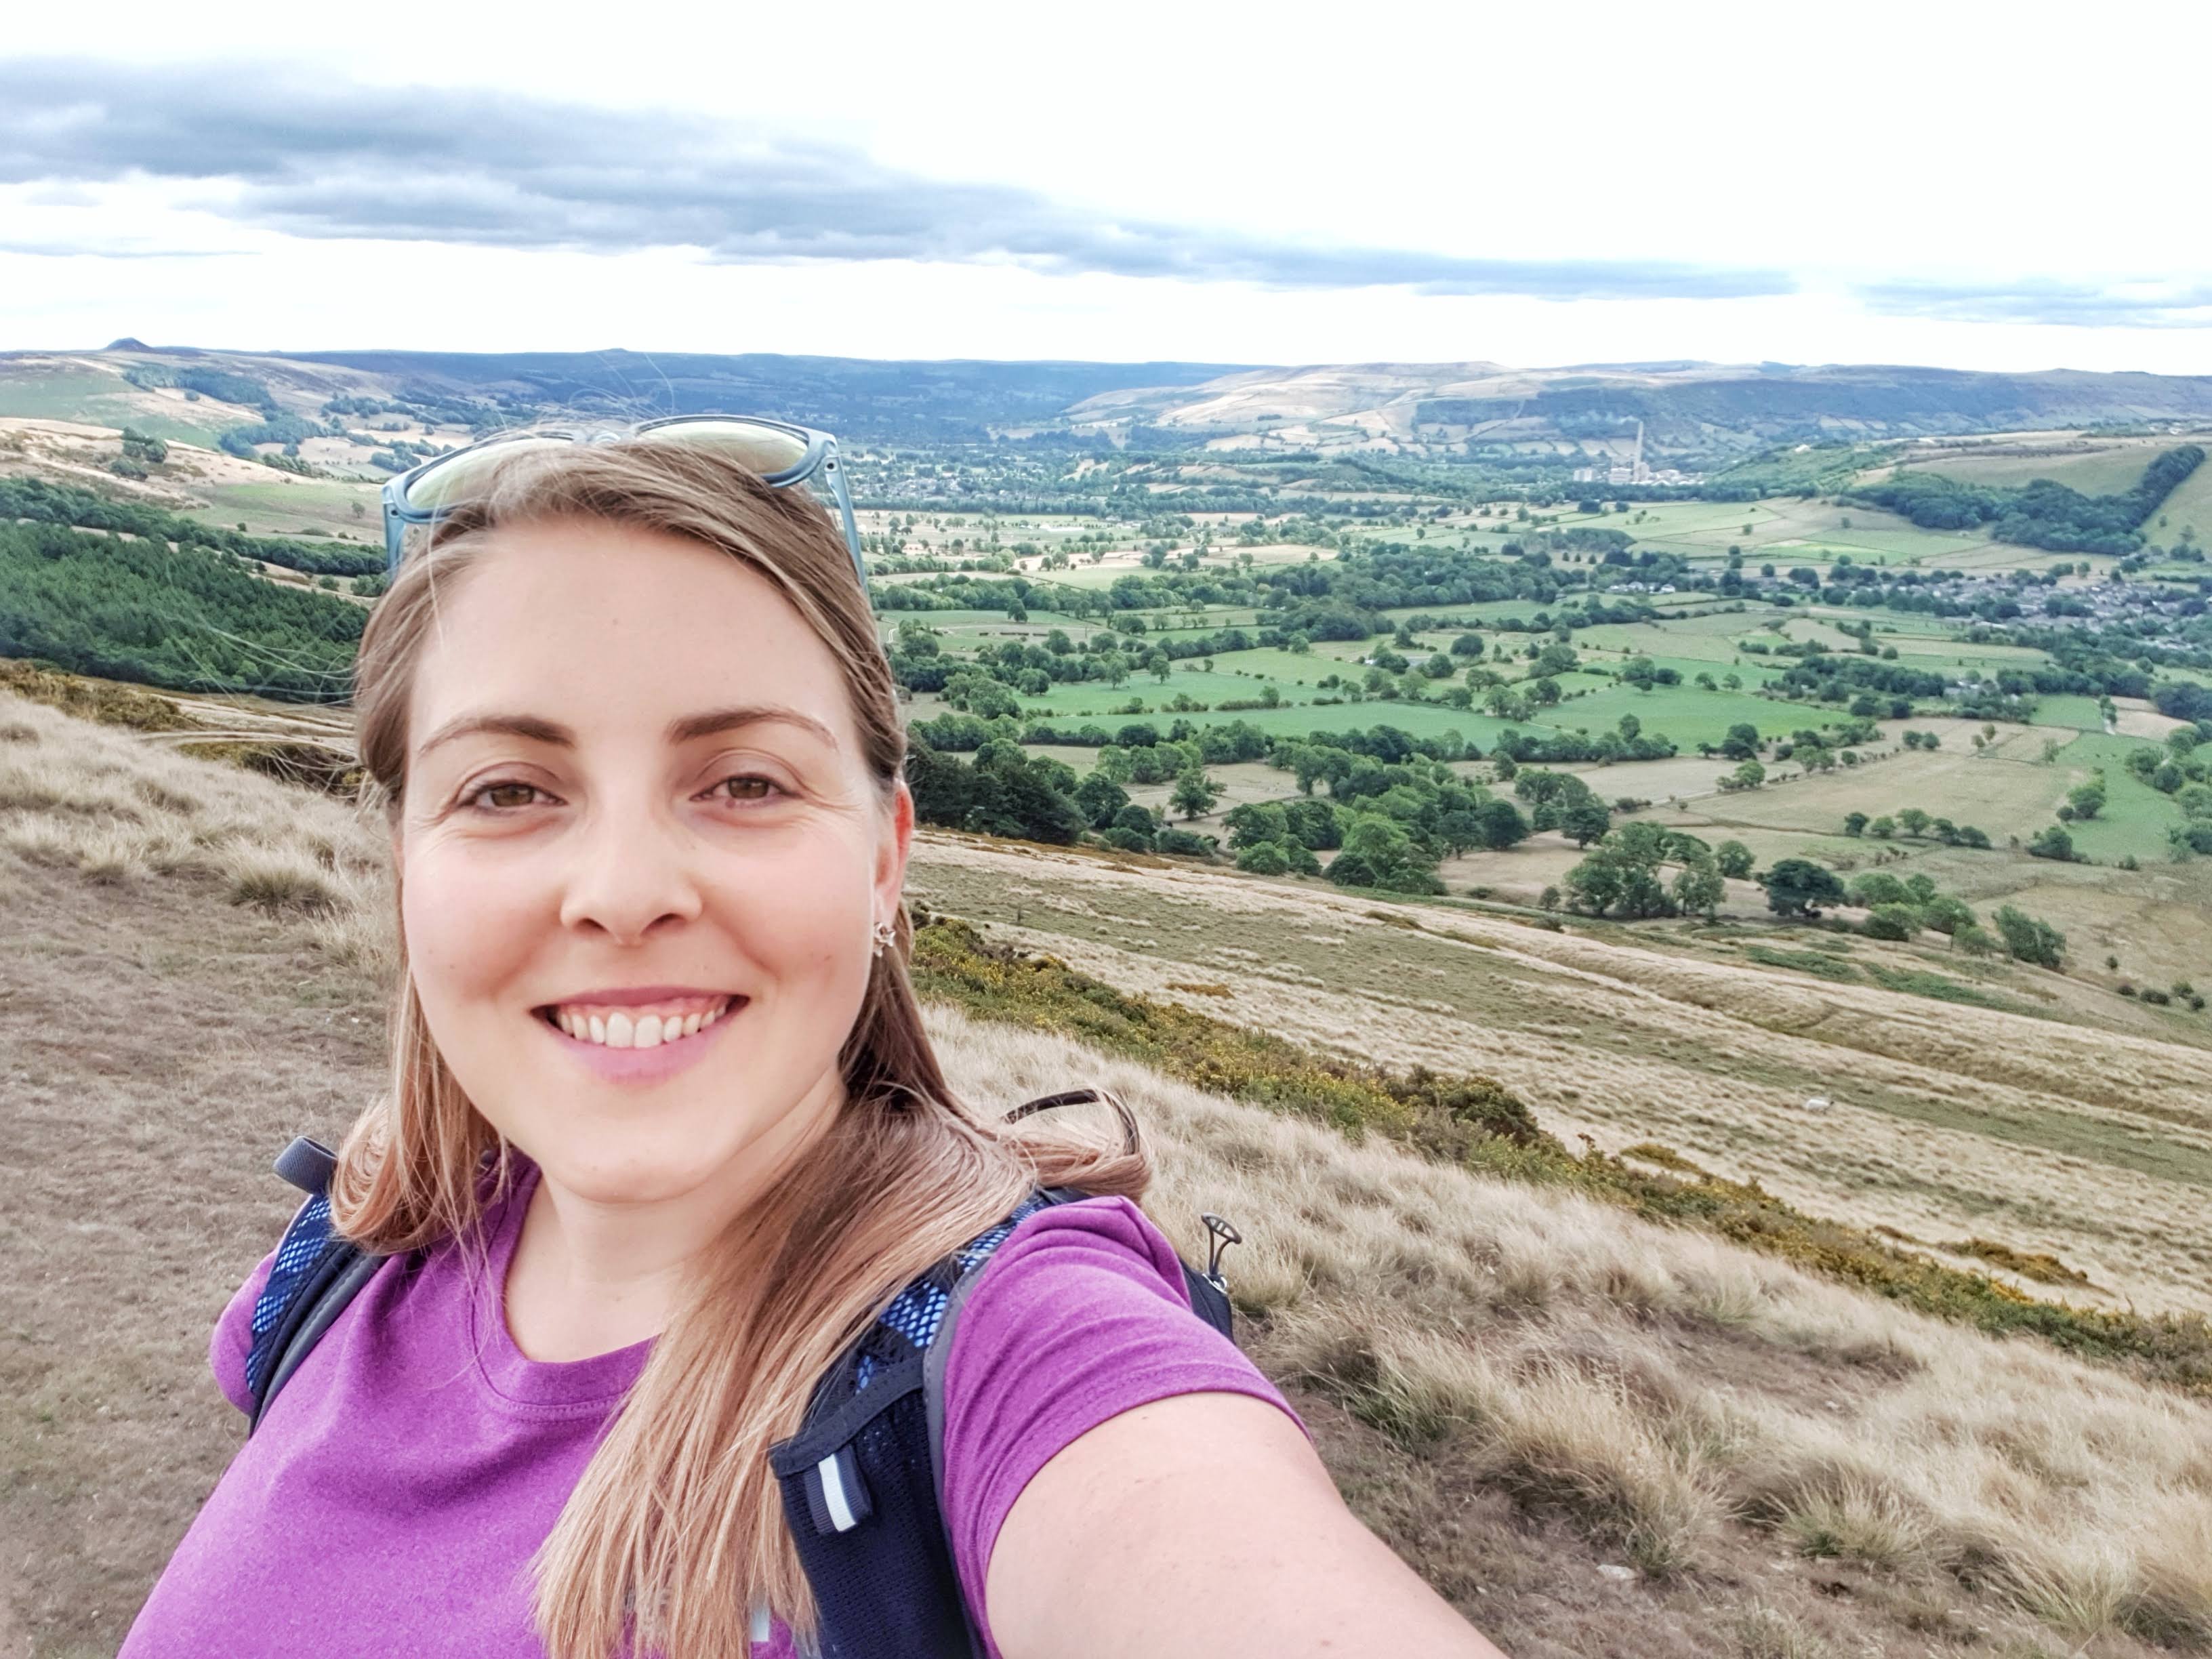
(863, 1478)
(316, 1273)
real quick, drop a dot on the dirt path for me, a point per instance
(157, 1048)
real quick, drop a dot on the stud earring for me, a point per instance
(885, 932)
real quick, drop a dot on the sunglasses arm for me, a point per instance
(395, 527)
(845, 509)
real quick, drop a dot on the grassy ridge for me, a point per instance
(1476, 1122)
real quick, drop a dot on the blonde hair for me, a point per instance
(676, 1527)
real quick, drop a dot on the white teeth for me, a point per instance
(621, 1030)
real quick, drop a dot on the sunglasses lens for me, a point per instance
(456, 479)
(754, 445)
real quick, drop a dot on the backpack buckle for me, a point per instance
(1223, 1237)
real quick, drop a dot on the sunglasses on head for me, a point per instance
(780, 454)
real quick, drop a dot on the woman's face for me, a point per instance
(642, 858)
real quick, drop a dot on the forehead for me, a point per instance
(611, 627)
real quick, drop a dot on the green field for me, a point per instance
(2095, 472)
(285, 506)
(2079, 713)
(108, 400)
(2190, 507)
(2135, 816)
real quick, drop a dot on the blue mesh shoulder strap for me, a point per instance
(315, 1274)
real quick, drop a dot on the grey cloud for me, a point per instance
(334, 160)
(2050, 303)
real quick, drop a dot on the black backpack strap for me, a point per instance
(863, 1477)
(316, 1273)
(860, 1478)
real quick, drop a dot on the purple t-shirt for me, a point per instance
(391, 1498)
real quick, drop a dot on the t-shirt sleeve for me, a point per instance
(1082, 1314)
(234, 1337)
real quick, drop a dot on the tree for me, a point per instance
(1584, 821)
(2028, 939)
(1796, 887)
(1733, 860)
(2088, 800)
(1194, 793)
(1914, 821)
(1378, 853)
(1742, 741)
(1890, 922)
(1699, 889)
(1100, 798)
(1969, 938)
(2052, 842)
(1882, 828)
(1948, 914)
(1255, 823)
(1500, 825)
(1854, 823)
(1749, 775)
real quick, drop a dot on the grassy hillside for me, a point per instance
(1596, 1433)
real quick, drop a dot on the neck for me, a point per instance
(589, 1275)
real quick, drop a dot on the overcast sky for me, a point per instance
(2016, 186)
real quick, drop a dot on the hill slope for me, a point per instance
(1596, 1435)
(1709, 411)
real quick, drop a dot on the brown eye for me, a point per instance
(746, 788)
(506, 795)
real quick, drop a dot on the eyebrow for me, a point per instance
(685, 728)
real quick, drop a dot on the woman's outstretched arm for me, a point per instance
(1203, 1527)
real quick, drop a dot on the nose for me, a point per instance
(632, 873)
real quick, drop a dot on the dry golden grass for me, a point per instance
(1514, 1385)
(2081, 1142)
(1666, 1390)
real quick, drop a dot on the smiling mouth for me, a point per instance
(651, 1026)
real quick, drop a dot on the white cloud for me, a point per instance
(1952, 184)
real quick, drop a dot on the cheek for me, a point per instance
(803, 915)
(467, 926)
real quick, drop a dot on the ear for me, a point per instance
(891, 851)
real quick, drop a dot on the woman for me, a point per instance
(666, 1133)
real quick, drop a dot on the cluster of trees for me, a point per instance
(224, 385)
(1900, 908)
(191, 620)
(1625, 742)
(1916, 824)
(141, 454)
(1882, 688)
(62, 504)
(276, 426)
(1004, 792)
(2172, 769)
(1639, 870)
(1626, 874)
(2043, 514)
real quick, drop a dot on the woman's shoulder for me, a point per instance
(1082, 1314)
(232, 1339)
